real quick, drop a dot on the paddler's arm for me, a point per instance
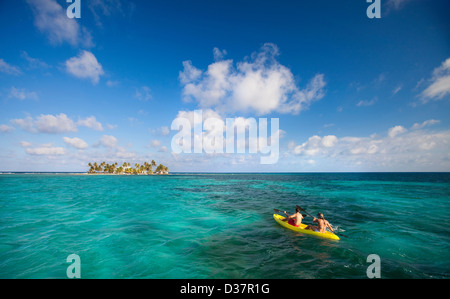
(329, 226)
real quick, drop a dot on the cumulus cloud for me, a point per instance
(90, 122)
(76, 142)
(47, 123)
(26, 123)
(85, 66)
(396, 131)
(54, 124)
(439, 83)
(258, 84)
(426, 123)
(108, 141)
(6, 129)
(315, 145)
(51, 19)
(219, 54)
(45, 150)
(398, 150)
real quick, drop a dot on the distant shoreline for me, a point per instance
(214, 173)
(76, 173)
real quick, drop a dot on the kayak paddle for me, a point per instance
(300, 208)
(282, 212)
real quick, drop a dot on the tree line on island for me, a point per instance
(126, 168)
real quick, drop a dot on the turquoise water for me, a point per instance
(221, 225)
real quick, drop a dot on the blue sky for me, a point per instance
(351, 93)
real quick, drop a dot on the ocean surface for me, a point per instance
(222, 226)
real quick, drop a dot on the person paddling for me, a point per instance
(295, 219)
(322, 224)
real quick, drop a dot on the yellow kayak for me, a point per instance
(301, 229)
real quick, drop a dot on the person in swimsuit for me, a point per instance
(322, 224)
(295, 219)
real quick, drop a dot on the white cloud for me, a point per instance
(108, 141)
(85, 66)
(111, 83)
(397, 89)
(102, 8)
(439, 84)
(51, 19)
(143, 94)
(190, 73)
(90, 122)
(397, 130)
(76, 142)
(164, 130)
(51, 124)
(22, 94)
(34, 63)
(26, 123)
(219, 54)
(9, 69)
(399, 150)
(55, 124)
(6, 129)
(123, 154)
(163, 149)
(155, 143)
(25, 144)
(329, 141)
(426, 123)
(363, 103)
(259, 84)
(190, 115)
(46, 150)
(396, 4)
(315, 145)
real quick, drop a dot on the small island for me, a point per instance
(126, 169)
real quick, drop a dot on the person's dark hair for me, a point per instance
(297, 209)
(320, 215)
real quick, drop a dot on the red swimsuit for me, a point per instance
(292, 222)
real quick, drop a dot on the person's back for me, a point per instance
(322, 224)
(295, 219)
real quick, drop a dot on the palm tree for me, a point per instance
(126, 169)
(148, 168)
